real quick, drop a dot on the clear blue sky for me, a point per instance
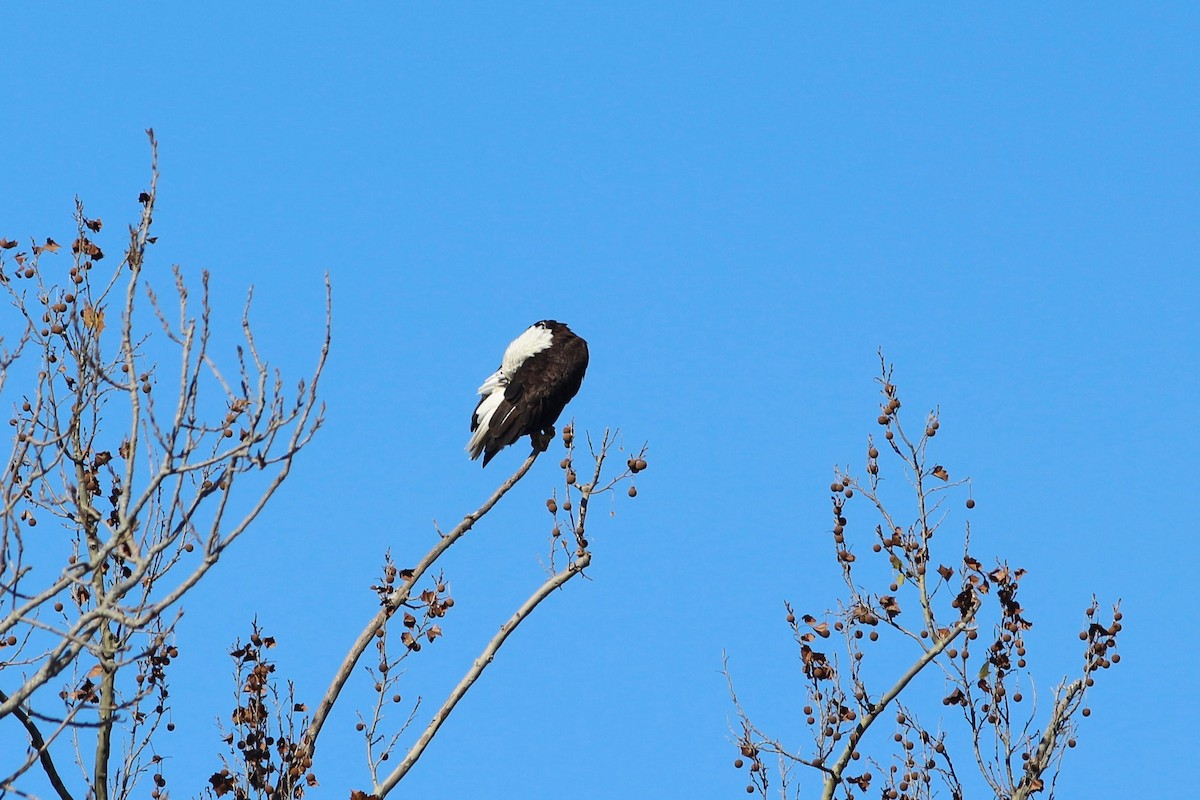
(736, 204)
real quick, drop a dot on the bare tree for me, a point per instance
(908, 611)
(153, 473)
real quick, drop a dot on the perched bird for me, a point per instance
(540, 373)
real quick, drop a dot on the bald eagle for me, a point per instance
(540, 372)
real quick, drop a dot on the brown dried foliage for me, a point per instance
(265, 760)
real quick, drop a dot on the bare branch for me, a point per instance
(41, 751)
(398, 598)
(477, 668)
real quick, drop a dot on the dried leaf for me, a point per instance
(7, 244)
(94, 671)
(93, 318)
(940, 472)
(87, 248)
(222, 782)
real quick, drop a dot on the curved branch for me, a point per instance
(395, 600)
(43, 751)
(576, 567)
